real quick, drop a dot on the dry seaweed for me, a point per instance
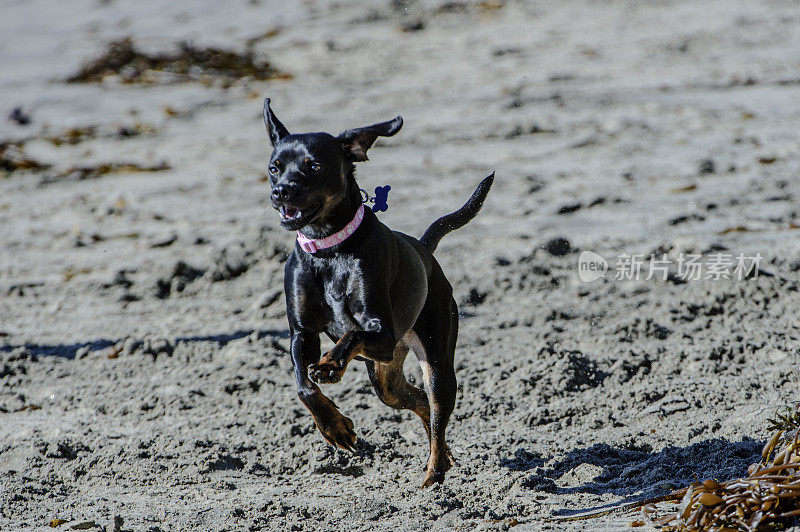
(768, 497)
(79, 173)
(187, 64)
(734, 229)
(73, 135)
(12, 159)
(76, 135)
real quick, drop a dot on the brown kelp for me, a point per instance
(188, 63)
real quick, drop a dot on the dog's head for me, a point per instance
(312, 173)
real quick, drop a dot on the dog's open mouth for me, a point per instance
(294, 217)
(290, 213)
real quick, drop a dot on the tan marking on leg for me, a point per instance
(329, 370)
(395, 391)
(335, 427)
(440, 459)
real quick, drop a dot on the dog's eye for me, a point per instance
(273, 169)
(315, 167)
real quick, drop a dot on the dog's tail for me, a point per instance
(458, 219)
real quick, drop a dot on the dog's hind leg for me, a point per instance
(436, 333)
(395, 391)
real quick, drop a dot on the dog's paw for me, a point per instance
(433, 476)
(436, 469)
(337, 430)
(325, 372)
(451, 461)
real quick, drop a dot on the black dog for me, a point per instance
(373, 291)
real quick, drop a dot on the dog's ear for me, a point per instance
(275, 128)
(356, 142)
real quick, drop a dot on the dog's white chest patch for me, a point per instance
(336, 299)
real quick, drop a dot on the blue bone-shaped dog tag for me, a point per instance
(380, 202)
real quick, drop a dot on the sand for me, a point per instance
(145, 382)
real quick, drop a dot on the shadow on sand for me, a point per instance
(634, 473)
(68, 350)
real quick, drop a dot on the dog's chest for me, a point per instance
(340, 302)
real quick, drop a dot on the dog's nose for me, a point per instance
(281, 192)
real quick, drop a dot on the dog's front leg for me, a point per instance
(336, 428)
(375, 342)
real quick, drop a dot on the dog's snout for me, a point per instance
(282, 192)
(278, 192)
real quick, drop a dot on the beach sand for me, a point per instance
(145, 382)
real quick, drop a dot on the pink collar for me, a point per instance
(312, 245)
